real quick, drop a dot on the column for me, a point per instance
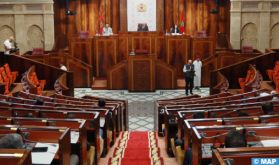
(235, 26)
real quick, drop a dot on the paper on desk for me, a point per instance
(102, 122)
(74, 137)
(270, 143)
(44, 157)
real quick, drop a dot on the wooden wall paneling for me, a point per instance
(165, 76)
(123, 16)
(160, 48)
(118, 76)
(81, 48)
(105, 57)
(175, 11)
(82, 73)
(209, 65)
(203, 47)
(168, 14)
(93, 18)
(141, 73)
(177, 52)
(141, 43)
(190, 23)
(115, 16)
(160, 15)
(56, 58)
(123, 48)
(197, 16)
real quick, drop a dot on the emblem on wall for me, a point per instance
(141, 7)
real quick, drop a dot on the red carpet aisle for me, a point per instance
(137, 148)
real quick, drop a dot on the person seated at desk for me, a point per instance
(107, 30)
(12, 141)
(233, 139)
(142, 27)
(10, 46)
(15, 141)
(174, 29)
(268, 108)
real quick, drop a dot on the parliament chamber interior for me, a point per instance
(139, 82)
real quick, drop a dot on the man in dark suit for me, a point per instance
(189, 72)
(142, 27)
(174, 29)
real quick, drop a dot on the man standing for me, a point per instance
(189, 72)
(197, 79)
(9, 45)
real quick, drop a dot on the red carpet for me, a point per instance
(137, 148)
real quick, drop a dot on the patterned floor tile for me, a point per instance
(141, 105)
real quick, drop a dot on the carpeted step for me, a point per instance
(140, 148)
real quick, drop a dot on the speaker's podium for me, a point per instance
(141, 73)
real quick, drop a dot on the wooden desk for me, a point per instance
(141, 73)
(106, 53)
(15, 156)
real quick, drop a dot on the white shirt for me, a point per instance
(63, 67)
(8, 45)
(107, 31)
(198, 68)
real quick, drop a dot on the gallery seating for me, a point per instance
(273, 73)
(251, 81)
(177, 116)
(242, 155)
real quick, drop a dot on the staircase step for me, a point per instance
(99, 83)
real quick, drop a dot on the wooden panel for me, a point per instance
(209, 65)
(81, 48)
(83, 73)
(165, 76)
(141, 43)
(160, 47)
(123, 48)
(202, 47)
(141, 73)
(117, 76)
(105, 56)
(177, 52)
(196, 15)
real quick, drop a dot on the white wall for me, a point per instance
(30, 21)
(255, 23)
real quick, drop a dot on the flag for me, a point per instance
(101, 19)
(182, 23)
(102, 22)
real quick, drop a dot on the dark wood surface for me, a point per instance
(25, 159)
(197, 16)
(141, 73)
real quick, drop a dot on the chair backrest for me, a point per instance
(60, 84)
(3, 73)
(7, 69)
